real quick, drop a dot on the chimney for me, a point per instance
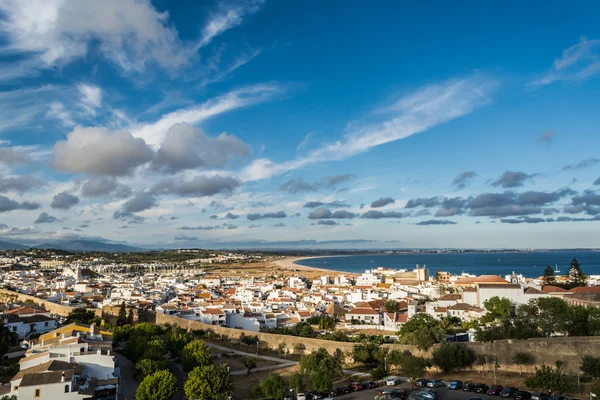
(62, 378)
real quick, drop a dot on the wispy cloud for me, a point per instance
(153, 133)
(577, 63)
(239, 62)
(226, 18)
(91, 98)
(415, 113)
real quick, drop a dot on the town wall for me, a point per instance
(569, 350)
(48, 305)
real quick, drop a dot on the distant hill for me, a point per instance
(11, 246)
(89, 245)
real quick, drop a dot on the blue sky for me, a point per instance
(300, 124)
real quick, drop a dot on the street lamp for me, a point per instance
(385, 363)
(578, 381)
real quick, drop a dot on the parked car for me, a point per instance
(427, 394)
(495, 390)
(540, 396)
(300, 396)
(508, 392)
(369, 384)
(288, 397)
(468, 387)
(522, 395)
(422, 382)
(456, 385)
(316, 395)
(356, 386)
(436, 383)
(481, 388)
(390, 394)
(476, 398)
(558, 398)
(392, 381)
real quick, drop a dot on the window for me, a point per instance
(66, 388)
(36, 393)
(45, 324)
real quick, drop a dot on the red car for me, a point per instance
(356, 386)
(495, 390)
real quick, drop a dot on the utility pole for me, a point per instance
(496, 366)
(578, 381)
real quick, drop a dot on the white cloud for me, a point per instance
(578, 62)
(58, 111)
(430, 106)
(225, 19)
(154, 133)
(131, 33)
(91, 98)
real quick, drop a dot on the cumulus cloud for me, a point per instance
(463, 179)
(436, 222)
(423, 202)
(586, 163)
(231, 216)
(331, 204)
(131, 34)
(19, 184)
(140, 202)
(376, 214)
(382, 202)
(7, 205)
(298, 185)
(257, 216)
(199, 228)
(186, 147)
(512, 179)
(64, 201)
(279, 225)
(200, 186)
(183, 238)
(422, 213)
(523, 220)
(597, 181)
(546, 137)
(327, 222)
(99, 186)
(98, 151)
(45, 218)
(324, 213)
(542, 198)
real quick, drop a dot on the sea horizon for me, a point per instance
(528, 264)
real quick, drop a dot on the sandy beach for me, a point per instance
(289, 264)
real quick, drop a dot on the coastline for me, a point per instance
(289, 264)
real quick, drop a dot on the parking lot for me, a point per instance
(443, 393)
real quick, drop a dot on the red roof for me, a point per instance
(362, 311)
(553, 289)
(586, 289)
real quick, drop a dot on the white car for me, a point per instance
(392, 381)
(300, 396)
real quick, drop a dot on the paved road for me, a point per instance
(128, 383)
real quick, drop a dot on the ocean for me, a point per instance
(530, 265)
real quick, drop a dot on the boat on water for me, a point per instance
(556, 268)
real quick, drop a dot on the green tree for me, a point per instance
(413, 367)
(195, 354)
(482, 361)
(176, 339)
(249, 363)
(8, 339)
(282, 349)
(522, 358)
(130, 317)
(322, 367)
(549, 378)
(497, 308)
(122, 318)
(208, 382)
(548, 278)
(451, 356)
(160, 385)
(271, 388)
(550, 315)
(249, 340)
(296, 382)
(421, 331)
(81, 315)
(369, 353)
(575, 276)
(590, 366)
(392, 306)
(326, 323)
(146, 367)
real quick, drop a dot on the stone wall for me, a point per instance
(48, 305)
(569, 350)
